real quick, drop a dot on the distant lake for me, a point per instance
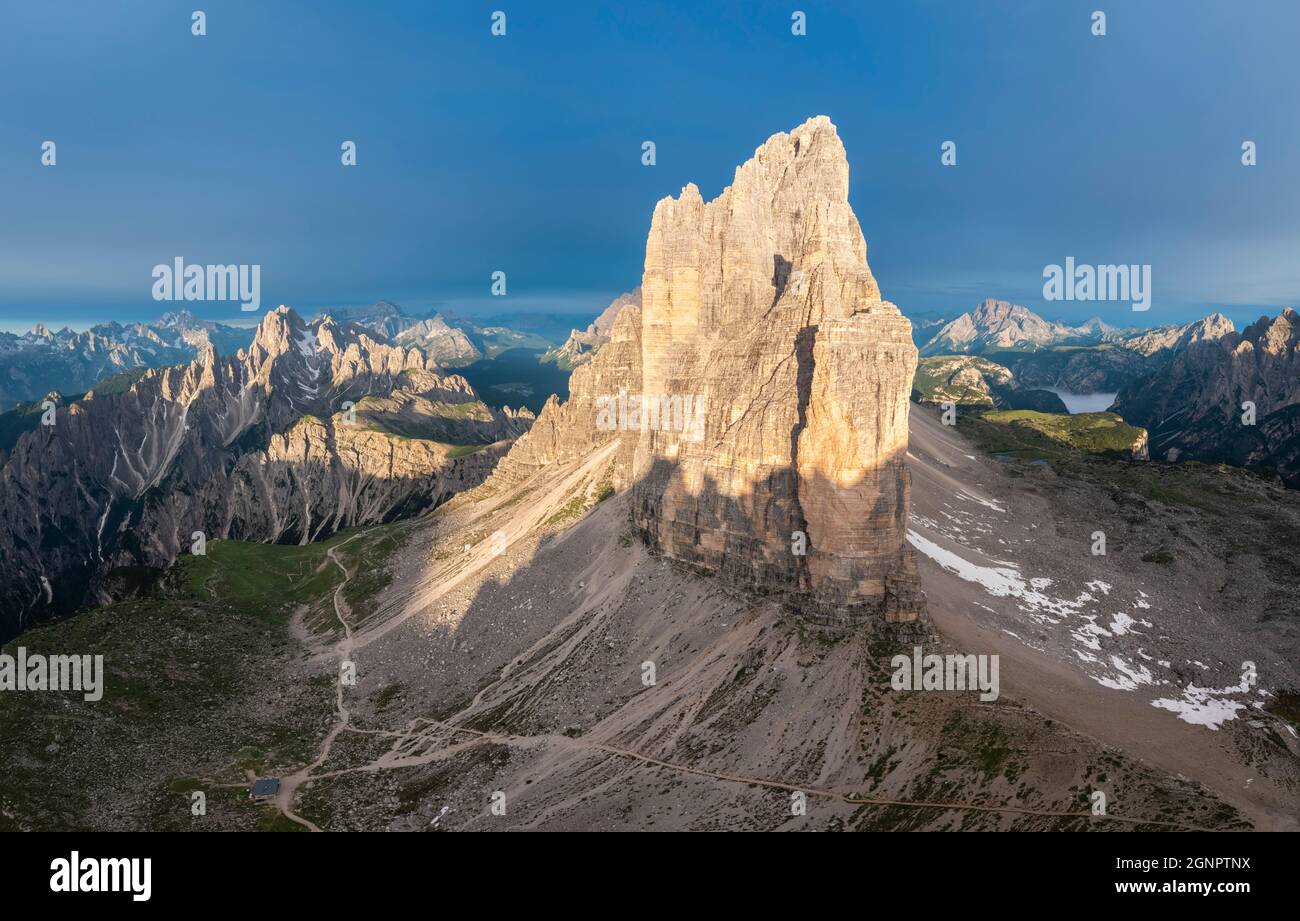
(1084, 402)
(516, 378)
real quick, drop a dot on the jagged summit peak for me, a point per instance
(280, 317)
(992, 307)
(178, 318)
(801, 140)
(1277, 330)
(814, 145)
(784, 218)
(277, 330)
(1216, 321)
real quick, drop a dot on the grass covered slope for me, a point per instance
(208, 683)
(1094, 433)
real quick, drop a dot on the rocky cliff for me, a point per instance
(313, 428)
(760, 393)
(582, 344)
(1169, 340)
(446, 345)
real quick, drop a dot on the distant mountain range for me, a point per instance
(1091, 357)
(1195, 404)
(1186, 384)
(311, 428)
(455, 341)
(70, 362)
(65, 361)
(443, 343)
(997, 325)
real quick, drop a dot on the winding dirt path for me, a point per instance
(343, 651)
(391, 762)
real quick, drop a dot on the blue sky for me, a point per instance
(523, 153)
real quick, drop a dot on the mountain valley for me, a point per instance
(404, 566)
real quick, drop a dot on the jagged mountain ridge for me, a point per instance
(1112, 366)
(1089, 358)
(257, 446)
(431, 333)
(455, 341)
(1175, 338)
(995, 325)
(1193, 405)
(68, 361)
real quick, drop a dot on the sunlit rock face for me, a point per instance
(853, 485)
(761, 305)
(774, 384)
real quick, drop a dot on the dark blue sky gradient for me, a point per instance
(522, 153)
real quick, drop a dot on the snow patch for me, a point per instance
(307, 345)
(1000, 581)
(987, 503)
(1121, 624)
(1208, 707)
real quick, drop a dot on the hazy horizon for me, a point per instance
(1241, 317)
(225, 149)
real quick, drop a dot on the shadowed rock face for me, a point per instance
(853, 487)
(759, 312)
(1192, 406)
